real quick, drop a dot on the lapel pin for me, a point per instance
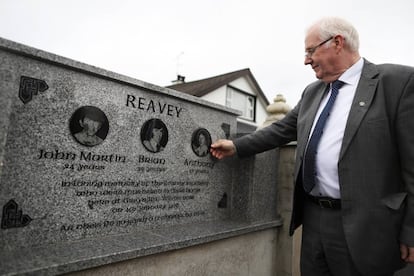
(361, 103)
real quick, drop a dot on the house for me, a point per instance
(238, 90)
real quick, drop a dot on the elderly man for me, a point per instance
(354, 174)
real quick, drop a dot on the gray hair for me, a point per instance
(331, 26)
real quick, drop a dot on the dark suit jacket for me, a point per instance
(376, 162)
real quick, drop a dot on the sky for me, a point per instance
(155, 40)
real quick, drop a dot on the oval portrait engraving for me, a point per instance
(89, 126)
(154, 135)
(200, 142)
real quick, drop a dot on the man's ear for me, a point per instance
(339, 41)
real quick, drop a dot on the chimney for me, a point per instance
(180, 79)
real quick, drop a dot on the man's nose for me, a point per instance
(307, 60)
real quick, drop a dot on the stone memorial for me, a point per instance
(97, 167)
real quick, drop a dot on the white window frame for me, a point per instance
(249, 109)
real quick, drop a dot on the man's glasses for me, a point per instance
(309, 52)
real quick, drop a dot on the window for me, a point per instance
(241, 101)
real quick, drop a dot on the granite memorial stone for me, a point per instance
(95, 165)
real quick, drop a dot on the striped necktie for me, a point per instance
(309, 165)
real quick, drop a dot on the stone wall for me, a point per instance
(252, 254)
(98, 168)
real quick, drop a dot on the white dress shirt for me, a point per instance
(327, 182)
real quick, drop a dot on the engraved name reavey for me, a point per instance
(153, 106)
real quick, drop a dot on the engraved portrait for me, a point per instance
(154, 135)
(89, 126)
(200, 142)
